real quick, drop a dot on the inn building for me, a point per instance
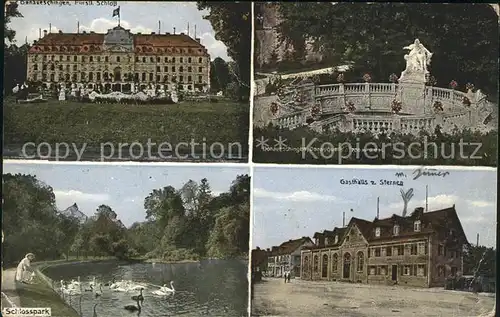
(422, 250)
(287, 257)
(118, 59)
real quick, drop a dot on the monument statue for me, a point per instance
(418, 58)
(407, 196)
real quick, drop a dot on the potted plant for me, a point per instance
(367, 78)
(453, 84)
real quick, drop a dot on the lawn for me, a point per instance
(93, 124)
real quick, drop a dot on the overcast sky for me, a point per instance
(123, 187)
(292, 202)
(136, 16)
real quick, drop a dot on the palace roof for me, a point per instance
(444, 222)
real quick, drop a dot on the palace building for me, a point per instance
(120, 58)
(418, 250)
(287, 257)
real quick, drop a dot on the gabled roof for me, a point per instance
(331, 236)
(289, 246)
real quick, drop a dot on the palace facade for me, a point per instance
(418, 250)
(120, 58)
(287, 257)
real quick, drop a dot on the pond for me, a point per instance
(211, 288)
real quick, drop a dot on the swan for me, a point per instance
(133, 307)
(98, 293)
(139, 297)
(115, 284)
(77, 282)
(160, 292)
(72, 290)
(171, 289)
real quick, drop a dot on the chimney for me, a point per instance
(343, 219)
(39, 33)
(174, 30)
(477, 240)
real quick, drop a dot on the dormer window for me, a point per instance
(327, 240)
(336, 239)
(417, 225)
(396, 230)
(377, 232)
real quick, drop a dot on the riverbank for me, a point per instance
(272, 297)
(36, 294)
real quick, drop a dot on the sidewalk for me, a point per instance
(10, 297)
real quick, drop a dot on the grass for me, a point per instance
(94, 124)
(39, 294)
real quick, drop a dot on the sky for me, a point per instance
(289, 203)
(122, 187)
(137, 16)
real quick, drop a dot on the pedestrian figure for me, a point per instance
(284, 274)
(289, 276)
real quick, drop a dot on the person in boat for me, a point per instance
(24, 267)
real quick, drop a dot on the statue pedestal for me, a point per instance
(411, 92)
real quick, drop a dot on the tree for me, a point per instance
(11, 11)
(233, 26)
(480, 260)
(462, 37)
(219, 75)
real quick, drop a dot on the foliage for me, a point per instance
(219, 75)
(438, 143)
(463, 37)
(480, 260)
(94, 124)
(233, 26)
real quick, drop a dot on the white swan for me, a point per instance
(115, 285)
(164, 290)
(77, 282)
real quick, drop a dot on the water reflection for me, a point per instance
(213, 288)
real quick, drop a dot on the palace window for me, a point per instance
(413, 249)
(165, 78)
(190, 79)
(200, 69)
(73, 78)
(52, 67)
(68, 58)
(35, 77)
(44, 67)
(454, 270)
(377, 251)
(75, 58)
(396, 230)
(401, 250)
(361, 261)
(190, 69)
(158, 59)
(173, 59)
(99, 58)
(173, 69)
(158, 68)
(336, 239)
(52, 58)
(91, 76)
(200, 60)
(60, 58)
(417, 226)
(117, 59)
(165, 69)
(83, 58)
(136, 76)
(91, 58)
(440, 250)
(388, 251)
(200, 79)
(441, 270)
(181, 69)
(422, 270)
(316, 263)
(305, 265)
(144, 59)
(406, 270)
(75, 68)
(143, 76)
(82, 76)
(44, 77)
(181, 79)
(35, 67)
(372, 270)
(44, 58)
(151, 59)
(335, 261)
(98, 76)
(158, 78)
(182, 59)
(377, 232)
(383, 270)
(189, 59)
(150, 76)
(51, 77)
(421, 248)
(166, 59)
(60, 67)
(106, 59)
